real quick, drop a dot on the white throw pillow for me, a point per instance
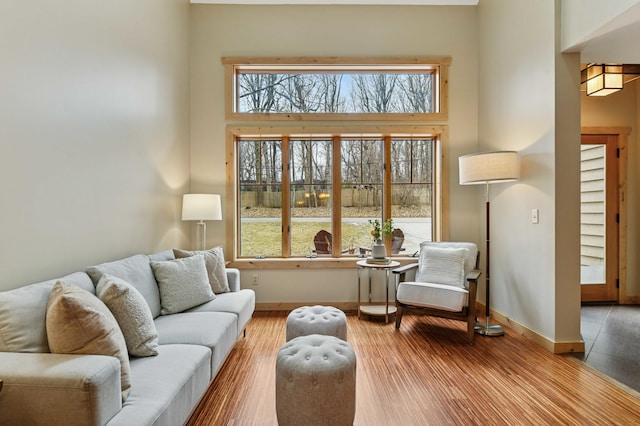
(80, 323)
(183, 283)
(214, 259)
(442, 265)
(133, 314)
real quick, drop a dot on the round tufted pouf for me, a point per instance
(316, 382)
(317, 319)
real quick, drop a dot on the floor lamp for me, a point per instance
(487, 168)
(201, 207)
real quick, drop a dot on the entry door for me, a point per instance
(599, 218)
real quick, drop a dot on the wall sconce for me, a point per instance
(603, 79)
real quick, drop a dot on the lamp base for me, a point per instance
(486, 329)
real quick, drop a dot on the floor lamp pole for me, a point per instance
(485, 328)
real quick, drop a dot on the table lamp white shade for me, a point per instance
(201, 207)
(489, 167)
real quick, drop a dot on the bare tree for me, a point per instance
(416, 93)
(374, 93)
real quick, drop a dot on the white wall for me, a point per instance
(222, 30)
(586, 20)
(94, 133)
(518, 111)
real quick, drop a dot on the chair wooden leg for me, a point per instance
(398, 316)
(471, 333)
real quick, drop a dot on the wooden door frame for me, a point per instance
(622, 134)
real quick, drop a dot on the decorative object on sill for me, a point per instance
(378, 250)
(201, 207)
(485, 168)
(605, 79)
(379, 230)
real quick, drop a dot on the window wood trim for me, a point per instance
(440, 188)
(442, 89)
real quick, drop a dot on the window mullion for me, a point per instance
(336, 199)
(286, 198)
(386, 179)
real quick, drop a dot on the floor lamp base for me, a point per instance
(486, 329)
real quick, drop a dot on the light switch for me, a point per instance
(535, 213)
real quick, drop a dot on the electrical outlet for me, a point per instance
(254, 279)
(535, 216)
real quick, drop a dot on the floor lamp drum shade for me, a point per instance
(201, 207)
(489, 167)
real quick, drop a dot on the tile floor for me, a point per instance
(611, 335)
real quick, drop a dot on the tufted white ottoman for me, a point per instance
(317, 319)
(316, 382)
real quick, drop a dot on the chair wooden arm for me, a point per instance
(474, 275)
(402, 271)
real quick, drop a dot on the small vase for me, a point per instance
(378, 250)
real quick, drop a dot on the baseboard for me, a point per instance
(289, 306)
(540, 340)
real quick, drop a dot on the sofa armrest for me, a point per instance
(233, 276)
(41, 388)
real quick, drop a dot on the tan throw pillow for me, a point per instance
(183, 283)
(216, 269)
(130, 309)
(79, 323)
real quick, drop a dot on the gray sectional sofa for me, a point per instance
(41, 387)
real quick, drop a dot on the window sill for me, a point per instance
(308, 263)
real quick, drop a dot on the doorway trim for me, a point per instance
(622, 134)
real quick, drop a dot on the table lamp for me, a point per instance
(201, 207)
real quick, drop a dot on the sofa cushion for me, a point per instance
(136, 271)
(132, 313)
(183, 283)
(79, 323)
(241, 303)
(166, 387)
(214, 259)
(442, 266)
(23, 311)
(215, 330)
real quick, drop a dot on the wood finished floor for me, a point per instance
(426, 374)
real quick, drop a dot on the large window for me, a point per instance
(310, 191)
(293, 187)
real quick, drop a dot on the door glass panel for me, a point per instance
(592, 214)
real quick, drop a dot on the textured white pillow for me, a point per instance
(79, 323)
(440, 265)
(183, 283)
(214, 259)
(133, 314)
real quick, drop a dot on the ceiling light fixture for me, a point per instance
(603, 79)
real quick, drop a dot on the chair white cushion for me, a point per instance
(442, 265)
(438, 296)
(470, 261)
